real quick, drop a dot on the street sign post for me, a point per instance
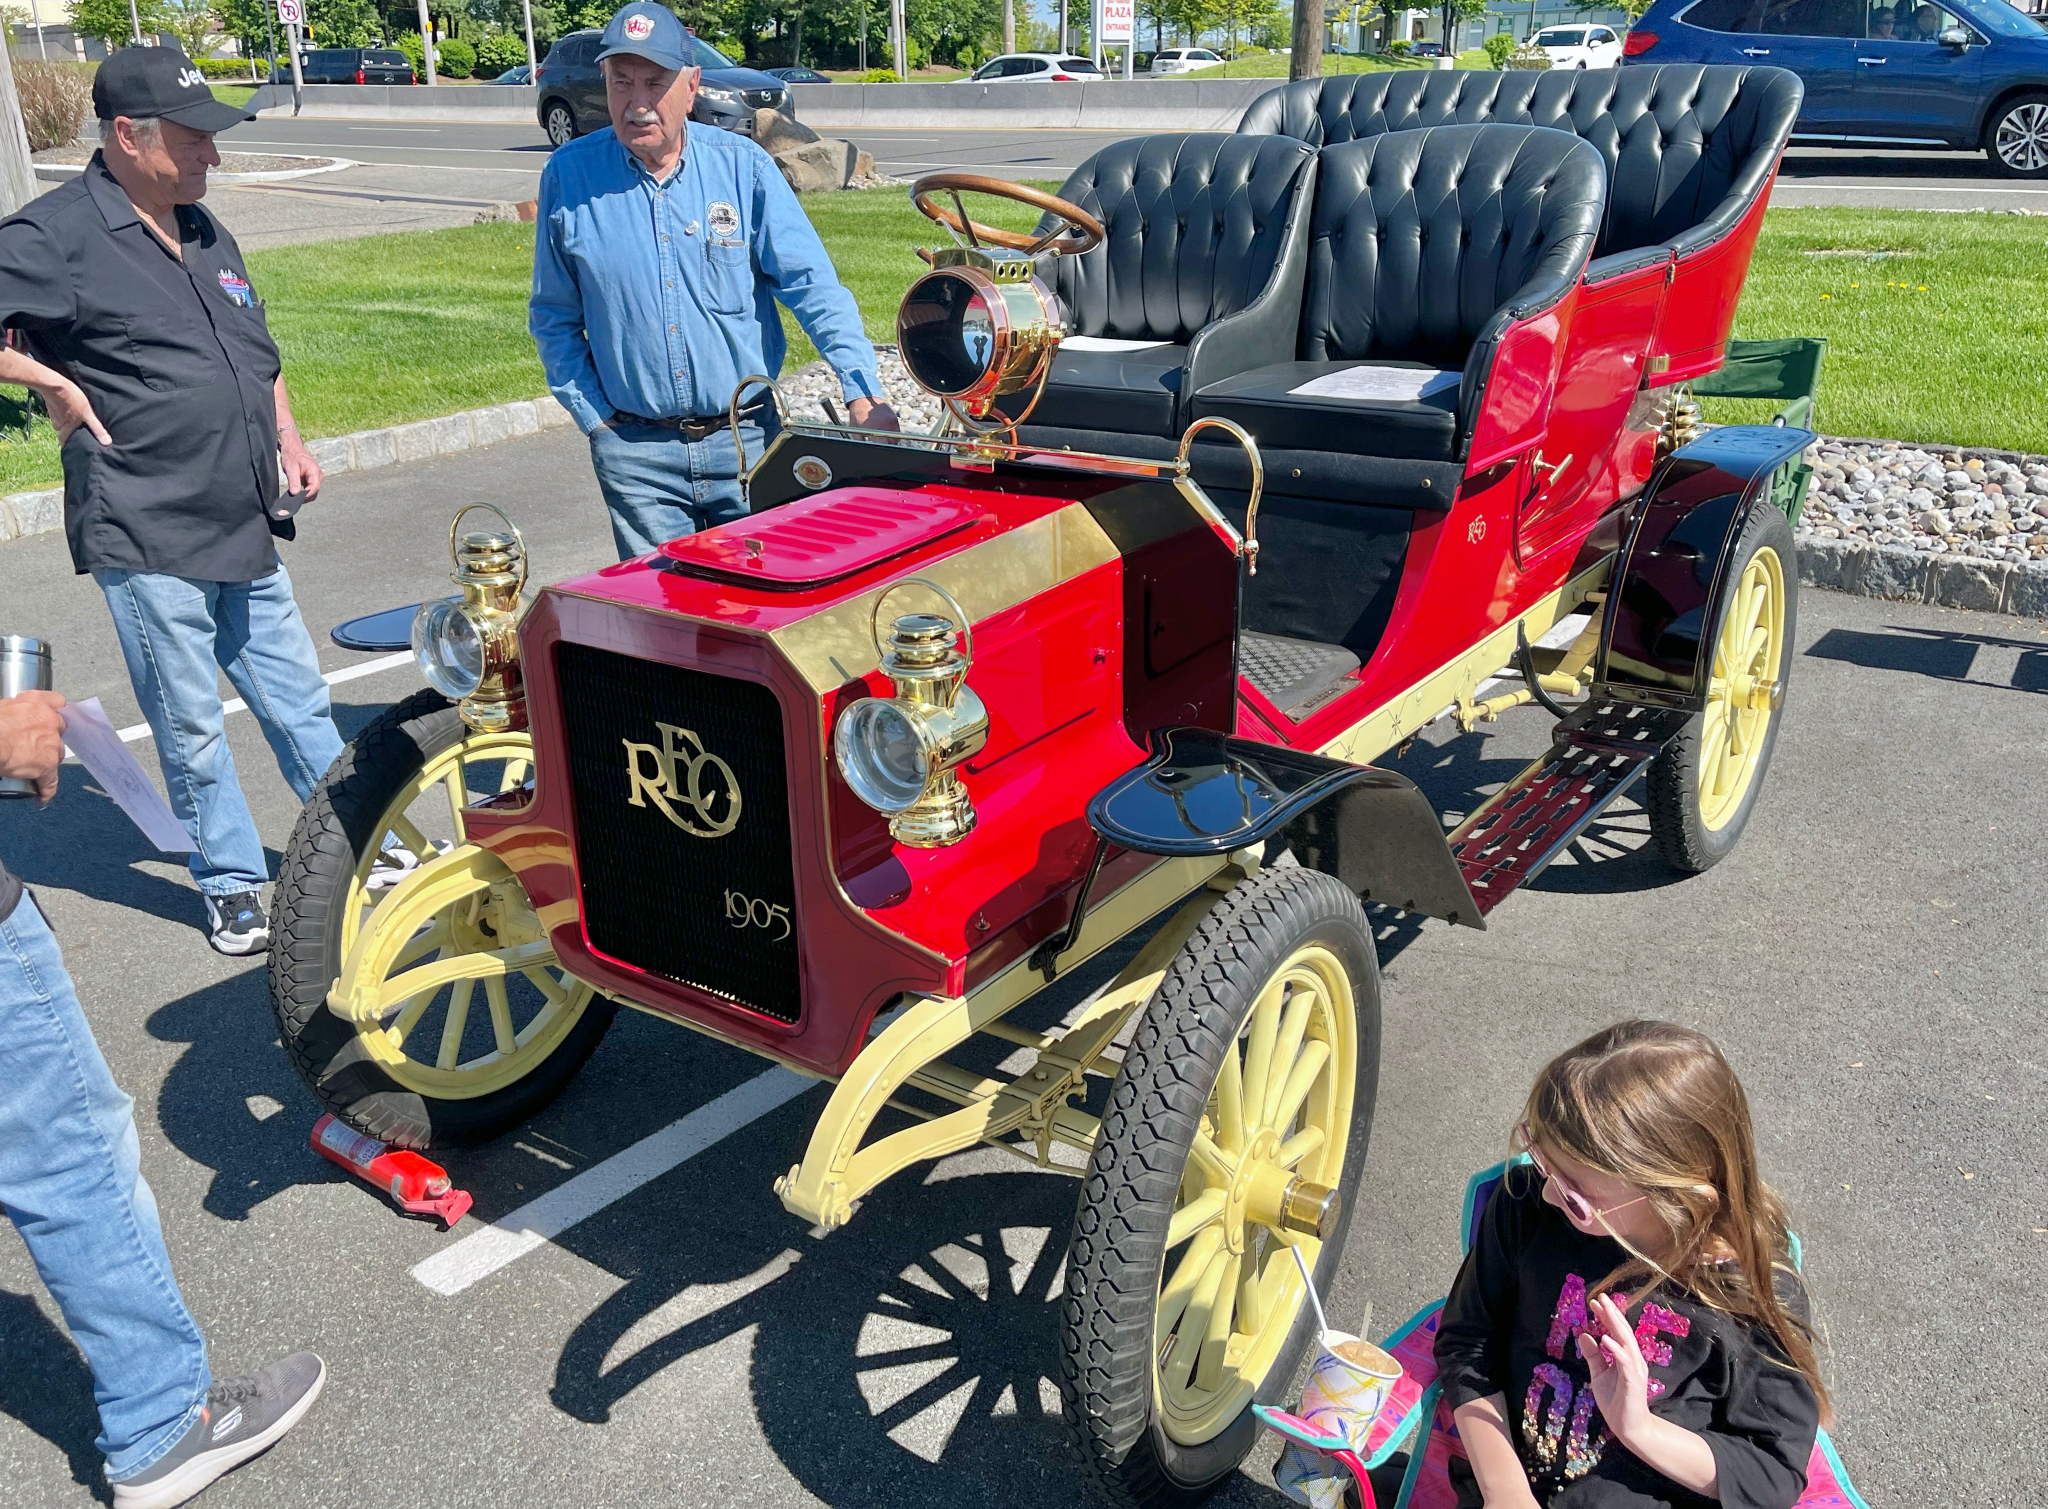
(1116, 26)
(291, 12)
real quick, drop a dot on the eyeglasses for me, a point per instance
(1576, 1205)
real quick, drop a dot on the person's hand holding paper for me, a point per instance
(92, 738)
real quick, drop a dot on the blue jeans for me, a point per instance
(177, 634)
(71, 1180)
(659, 486)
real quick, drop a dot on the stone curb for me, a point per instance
(24, 514)
(1915, 576)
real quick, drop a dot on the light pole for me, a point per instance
(532, 57)
(426, 41)
(134, 23)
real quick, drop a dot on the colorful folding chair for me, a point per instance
(1417, 1401)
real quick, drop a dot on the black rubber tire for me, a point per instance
(1672, 786)
(559, 121)
(1115, 1258)
(342, 819)
(2035, 101)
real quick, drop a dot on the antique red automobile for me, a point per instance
(1265, 452)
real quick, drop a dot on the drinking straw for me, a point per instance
(1322, 1322)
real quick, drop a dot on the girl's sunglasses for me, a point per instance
(1576, 1205)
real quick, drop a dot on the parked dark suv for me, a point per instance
(356, 65)
(1967, 74)
(572, 90)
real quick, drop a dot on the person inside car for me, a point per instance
(1927, 24)
(1881, 22)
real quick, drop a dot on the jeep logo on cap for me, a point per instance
(638, 28)
(191, 78)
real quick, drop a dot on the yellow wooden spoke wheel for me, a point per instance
(1235, 1130)
(1702, 788)
(1742, 695)
(415, 986)
(1277, 1125)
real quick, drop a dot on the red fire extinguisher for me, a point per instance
(419, 1185)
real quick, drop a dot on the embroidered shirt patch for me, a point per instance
(237, 288)
(723, 219)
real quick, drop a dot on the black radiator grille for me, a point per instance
(715, 908)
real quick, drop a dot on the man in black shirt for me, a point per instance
(71, 1181)
(148, 345)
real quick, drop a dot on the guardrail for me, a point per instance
(1112, 105)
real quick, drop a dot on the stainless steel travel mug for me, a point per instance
(24, 667)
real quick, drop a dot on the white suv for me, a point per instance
(1183, 60)
(1034, 68)
(1580, 46)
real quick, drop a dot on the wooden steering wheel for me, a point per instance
(1077, 232)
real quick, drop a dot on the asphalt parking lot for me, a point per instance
(1871, 957)
(409, 165)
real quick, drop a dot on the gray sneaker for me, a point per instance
(243, 1418)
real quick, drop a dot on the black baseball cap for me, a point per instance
(162, 83)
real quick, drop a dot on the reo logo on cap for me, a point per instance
(639, 28)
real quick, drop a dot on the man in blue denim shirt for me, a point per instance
(661, 251)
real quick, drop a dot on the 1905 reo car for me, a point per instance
(1266, 451)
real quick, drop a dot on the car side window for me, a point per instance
(1030, 65)
(1920, 23)
(1602, 34)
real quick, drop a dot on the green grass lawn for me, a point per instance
(1938, 324)
(233, 94)
(1274, 65)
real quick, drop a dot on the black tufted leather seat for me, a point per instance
(1421, 243)
(1688, 146)
(1203, 253)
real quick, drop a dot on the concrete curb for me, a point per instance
(57, 172)
(25, 514)
(1915, 576)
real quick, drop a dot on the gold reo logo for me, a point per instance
(687, 775)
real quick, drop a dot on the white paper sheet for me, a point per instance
(1104, 343)
(92, 738)
(1404, 383)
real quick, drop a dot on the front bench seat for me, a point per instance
(1688, 146)
(1422, 246)
(1204, 243)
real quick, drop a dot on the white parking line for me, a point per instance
(332, 678)
(512, 1236)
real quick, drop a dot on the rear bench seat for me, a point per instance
(1688, 146)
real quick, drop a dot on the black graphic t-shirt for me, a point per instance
(1509, 1327)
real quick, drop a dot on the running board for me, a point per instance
(1599, 752)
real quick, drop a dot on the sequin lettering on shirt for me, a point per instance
(1569, 1318)
(1657, 1353)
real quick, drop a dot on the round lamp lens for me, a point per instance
(448, 649)
(882, 753)
(948, 334)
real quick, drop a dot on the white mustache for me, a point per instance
(642, 118)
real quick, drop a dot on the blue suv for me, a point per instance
(1967, 74)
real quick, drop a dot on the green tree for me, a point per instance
(343, 23)
(1449, 13)
(192, 22)
(458, 58)
(499, 51)
(249, 22)
(108, 19)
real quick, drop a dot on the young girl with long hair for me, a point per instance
(1627, 1331)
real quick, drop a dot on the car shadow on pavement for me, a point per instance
(232, 1102)
(902, 1362)
(1944, 654)
(46, 1385)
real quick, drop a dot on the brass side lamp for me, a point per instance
(468, 647)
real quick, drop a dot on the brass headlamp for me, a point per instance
(979, 326)
(468, 647)
(901, 754)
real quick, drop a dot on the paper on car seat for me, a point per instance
(92, 738)
(1407, 383)
(1104, 343)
